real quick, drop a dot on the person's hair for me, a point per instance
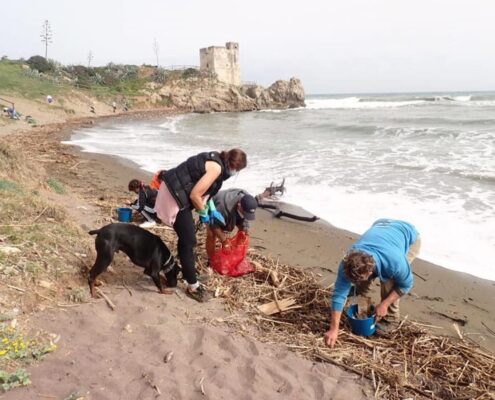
(358, 266)
(134, 184)
(235, 159)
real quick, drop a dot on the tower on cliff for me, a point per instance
(223, 61)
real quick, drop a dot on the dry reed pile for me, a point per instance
(408, 362)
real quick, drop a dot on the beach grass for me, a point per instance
(38, 240)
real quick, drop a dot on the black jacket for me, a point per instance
(146, 197)
(181, 179)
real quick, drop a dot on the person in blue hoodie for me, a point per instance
(385, 251)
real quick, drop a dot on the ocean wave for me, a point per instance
(421, 165)
(171, 123)
(394, 101)
(355, 103)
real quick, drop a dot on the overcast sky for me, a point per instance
(346, 46)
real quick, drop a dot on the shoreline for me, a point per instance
(440, 297)
(225, 355)
(349, 207)
(284, 206)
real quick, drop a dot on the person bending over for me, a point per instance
(187, 187)
(385, 251)
(145, 203)
(238, 208)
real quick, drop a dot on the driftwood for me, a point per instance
(277, 306)
(408, 362)
(109, 302)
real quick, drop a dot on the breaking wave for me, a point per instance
(394, 101)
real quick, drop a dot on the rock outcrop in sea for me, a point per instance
(206, 94)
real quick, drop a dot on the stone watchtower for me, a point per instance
(223, 61)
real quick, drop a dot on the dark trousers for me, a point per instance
(186, 231)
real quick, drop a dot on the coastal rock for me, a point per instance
(206, 94)
(288, 93)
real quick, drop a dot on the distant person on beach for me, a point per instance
(385, 251)
(238, 209)
(145, 202)
(11, 112)
(49, 99)
(186, 187)
(114, 106)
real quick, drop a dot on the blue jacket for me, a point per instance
(388, 242)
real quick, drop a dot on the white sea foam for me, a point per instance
(452, 236)
(462, 98)
(356, 103)
(171, 123)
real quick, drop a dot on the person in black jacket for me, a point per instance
(145, 203)
(238, 209)
(186, 187)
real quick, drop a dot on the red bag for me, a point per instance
(231, 259)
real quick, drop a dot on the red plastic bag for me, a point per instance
(231, 259)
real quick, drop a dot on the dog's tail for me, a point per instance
(94, 231)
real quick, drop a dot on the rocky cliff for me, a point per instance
(205, 94)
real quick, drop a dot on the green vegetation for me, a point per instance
(39, 63)
(8, 185)
(57, 186)
(17, 350)
(15, 79)
(49, 77)
(14, 379)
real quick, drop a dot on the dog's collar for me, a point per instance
(168, 265)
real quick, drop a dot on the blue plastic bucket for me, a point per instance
(362, 327)
(124, 214)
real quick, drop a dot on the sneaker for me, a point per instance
(200, 294)
(148, 224)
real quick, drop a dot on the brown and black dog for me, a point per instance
(141, 246)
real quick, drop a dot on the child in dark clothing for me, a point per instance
(145, 203)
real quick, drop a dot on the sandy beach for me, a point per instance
(119, 354)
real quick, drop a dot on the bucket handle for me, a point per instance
(374, 322)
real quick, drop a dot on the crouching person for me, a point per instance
(385, 251)
(237, 208)
(145, 203)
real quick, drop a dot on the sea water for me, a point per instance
(425, 158)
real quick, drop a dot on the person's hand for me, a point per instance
(331, 337)
(381, 311)
(204, 217)
(215, 215)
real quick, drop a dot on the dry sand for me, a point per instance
(119, 354)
